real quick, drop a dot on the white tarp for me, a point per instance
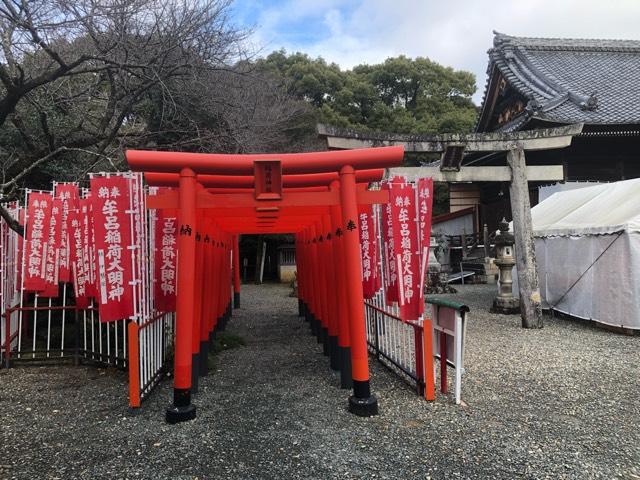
(588, 252)
(545, 191)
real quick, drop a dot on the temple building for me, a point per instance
(547, 82)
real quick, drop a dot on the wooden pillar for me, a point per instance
(332, 292)
(530, 309)
(362, 402)
(182, 408)
(197, 301)
(236, 271)
(344, 348)
(205, 296)
(216, 266)
(316, 326)
(323, 306)
(299, 280)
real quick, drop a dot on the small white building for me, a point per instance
(286, 263)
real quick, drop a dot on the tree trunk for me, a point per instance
(530, 309)
(11, 222)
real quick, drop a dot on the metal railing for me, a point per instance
(401, 345)
(449, 331)
(287, 256)
(55, 333)
(396, 343)
(152, 345)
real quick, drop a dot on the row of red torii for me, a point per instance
(272, 193)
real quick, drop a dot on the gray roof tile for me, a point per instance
(572, 80)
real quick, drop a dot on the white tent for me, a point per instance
(588, 252)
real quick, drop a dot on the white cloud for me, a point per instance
(454, 32)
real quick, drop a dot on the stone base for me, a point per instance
(346, 381)
(180, 414)
(203, 363)
(506, 306)
(324, 339)
(363, 407)
(334, 353)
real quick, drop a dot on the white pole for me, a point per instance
(22, 261)
(35, 318)
(264, 254)
(64, 314)
(458, 355)
(49, 328)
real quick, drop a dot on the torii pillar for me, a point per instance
(530, 301)
(236, 271)
(362, 402)
(182, 408)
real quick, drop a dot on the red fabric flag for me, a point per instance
(166, 253)
(113, 239)
(68, 194)
(85, 228)
(79, 272)
(377, 276)
(90, 240)
(390, 267)
(38, 216)
(405, 233)
(367, 249)
(53, 250)
(425, 204)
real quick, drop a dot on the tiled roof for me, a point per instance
(570, 80)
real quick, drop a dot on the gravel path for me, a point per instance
(557, 403)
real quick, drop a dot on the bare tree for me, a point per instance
(73, 73)
(239, 110)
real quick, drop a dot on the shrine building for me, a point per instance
(538, 83)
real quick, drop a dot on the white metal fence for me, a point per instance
(36, 329)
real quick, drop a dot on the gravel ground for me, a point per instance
(561, 402)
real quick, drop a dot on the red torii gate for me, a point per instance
(314, 195)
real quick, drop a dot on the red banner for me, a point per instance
(20, 260)
(166, 250)
(80, 274)
(367, 250)
(390, 268)
(52, 257)
(405, 233)
(90, 241)
(85, 228)
(38, 216)
(68, 194)
(377, 275)
(113, 241)
(425, 204)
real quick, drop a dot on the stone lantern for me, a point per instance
(505, 302)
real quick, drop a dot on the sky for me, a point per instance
(454, 33)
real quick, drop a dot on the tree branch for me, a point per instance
(11, 222)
